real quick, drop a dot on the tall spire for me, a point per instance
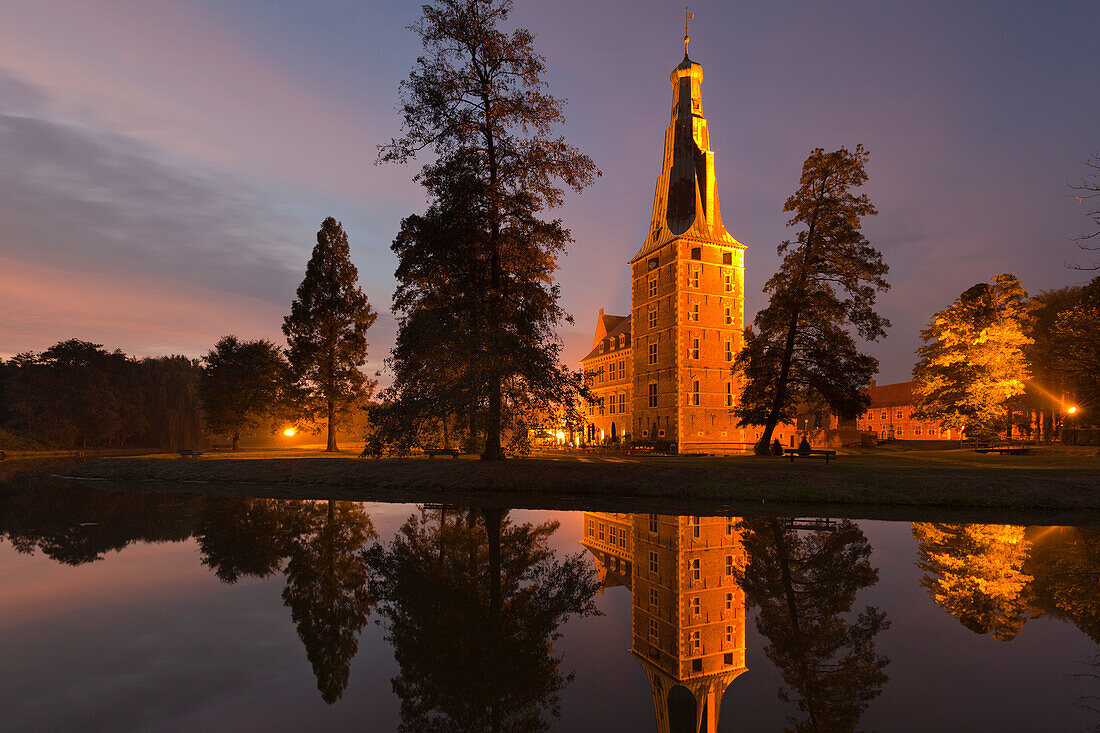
(688, 17)
(685, 202)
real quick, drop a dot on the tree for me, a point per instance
(804, 585)
(975, 573)
(326, 586)
(1075, 338)
(472, 604)
(327, 332)
(973, 359)
(1089, 188)
(1050, 375)
(241, 385)
(477, 98)
(802, 350)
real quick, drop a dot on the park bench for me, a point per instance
(811, 453)
(452, 452)
(189, 453)
(1012, 450)
(222, 446)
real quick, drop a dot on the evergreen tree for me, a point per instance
(240, 386)
(972, 360)
(327, 332)
(802, 350)
(476, 302)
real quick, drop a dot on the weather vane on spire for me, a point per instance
(688, 17)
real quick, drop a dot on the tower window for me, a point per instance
(653, 630)
(729, 315)
(727, 258)
(695, 278)
(653, 287)
(695, 571)
(621, 337)
(696, 607)
(653, 564)
(654, 604)
(653, 316)
(694, 349)
(653, 524)
(729, 351)
(653, 353)
(729, 394)
(696, 644)
(696, 253)
(695, 311)
(729, 282)
(695, 393)
(729, 601)
(729, 564)
(652, 394)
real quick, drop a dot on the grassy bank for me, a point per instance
(1063, 479)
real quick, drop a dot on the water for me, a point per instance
(130, 611)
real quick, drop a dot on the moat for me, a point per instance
(138, 611)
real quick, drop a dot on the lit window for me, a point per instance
(653, 353)
(652, 394)
(695, 393)
(653, 287)
(653, 316)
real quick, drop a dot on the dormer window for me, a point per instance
(620, 341)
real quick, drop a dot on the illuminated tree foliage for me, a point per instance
(472, 604)
(805, 585)
(477, 305)
(973, 360)
(326, 586)
(802, 349)
(975, 572)
(326, 332)
(241, 386)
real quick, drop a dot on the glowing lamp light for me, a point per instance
(561, 436)
(1071, 410)
(289, 432)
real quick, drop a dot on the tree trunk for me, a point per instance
(236, 441)
(331, 428)
(493, 450)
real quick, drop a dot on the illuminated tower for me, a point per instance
(687, 292)
(687, 610)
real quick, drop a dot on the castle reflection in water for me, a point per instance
(687, 608)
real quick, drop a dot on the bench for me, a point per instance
(452, 452)
(811, 453)
(189, 453)
(1012, 450)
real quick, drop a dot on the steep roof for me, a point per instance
(890, 395)
(609, 327)
(685, 202)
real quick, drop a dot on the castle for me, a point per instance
(663, 373)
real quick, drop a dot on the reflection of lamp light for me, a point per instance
(289, 432)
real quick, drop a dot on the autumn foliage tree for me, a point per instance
(476, 302)
(801, 349)
(326, 332)
(973, 358)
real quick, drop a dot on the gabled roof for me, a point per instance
(608, 327)
(891, 395)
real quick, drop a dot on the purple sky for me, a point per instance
(166, 164)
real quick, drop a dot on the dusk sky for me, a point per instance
(166, 164)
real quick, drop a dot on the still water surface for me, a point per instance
(176, 612)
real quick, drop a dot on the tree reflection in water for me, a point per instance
(976, 573)
(472, 603)
(804, 584)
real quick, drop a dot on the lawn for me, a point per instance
(1049, 478)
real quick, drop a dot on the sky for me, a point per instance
(165, 165)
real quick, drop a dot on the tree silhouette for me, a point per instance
(805, 585)
(478, 98)
(472, 604)
(802, 350)
(326, 332)
(326, 587)
(241, 385)
(1064, 563)
(242, 537)
(975, 573)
